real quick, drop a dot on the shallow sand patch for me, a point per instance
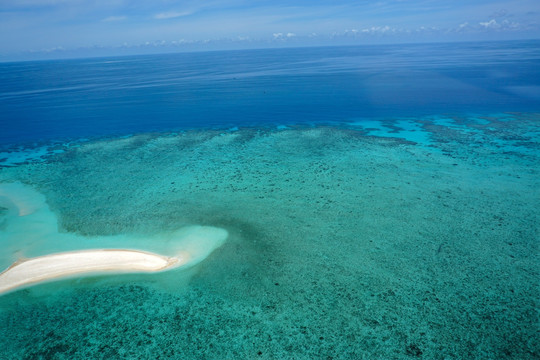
(34, 250)
(54, 266)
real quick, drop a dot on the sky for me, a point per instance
(68, 28)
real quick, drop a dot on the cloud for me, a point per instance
(503, 25)
(32, 24)
(54, 49)
(172, 14)
(283, 37)
(500, 13)
(376, 30)
(491, 24)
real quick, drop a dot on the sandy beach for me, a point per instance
(66, 264)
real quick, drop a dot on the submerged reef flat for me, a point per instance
(345, 242)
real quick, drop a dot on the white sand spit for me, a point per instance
(66, 264)
(28, 226)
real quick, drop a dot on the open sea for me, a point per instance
(381, 202)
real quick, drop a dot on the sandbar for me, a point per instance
(59, 265)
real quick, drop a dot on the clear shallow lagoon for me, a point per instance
(382, 202)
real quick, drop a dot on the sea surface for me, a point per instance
(381, 202)
(52, 100)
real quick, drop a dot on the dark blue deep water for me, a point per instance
(64, 99)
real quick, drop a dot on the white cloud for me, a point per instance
(282, 36)
(378, 30)
(491, 24)
(172, 14)
(503, 25)
(461, 28)
(54, 49)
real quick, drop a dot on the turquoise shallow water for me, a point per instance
(395, 238)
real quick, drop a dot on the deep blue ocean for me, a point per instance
(66, 99)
